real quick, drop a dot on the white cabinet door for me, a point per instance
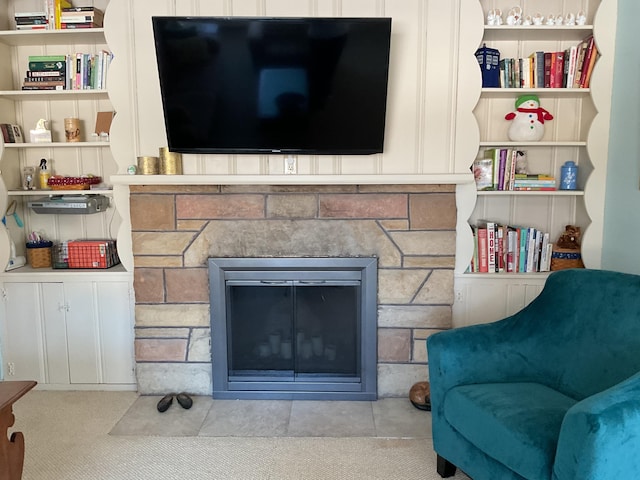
(22, 336)
(493, 298)
(54, 332)
(82, 332)
(115, 324)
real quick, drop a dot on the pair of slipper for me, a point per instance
(183, 399)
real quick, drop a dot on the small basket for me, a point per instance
(564, 258)
(60, 255)
(92, 254)
(39, 254)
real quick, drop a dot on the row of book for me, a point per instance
(11, 133)
(59, 14)
(79, 71)
(505, 169)
(505, 248)
(570, 68)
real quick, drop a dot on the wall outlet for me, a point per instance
(12, 368)
(290, 165)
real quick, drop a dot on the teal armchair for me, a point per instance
(549, 393)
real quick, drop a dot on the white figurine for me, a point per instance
(581, 18)
(551, 19)
(538, 19)
(527, 20)
(570, 19)
(514, 17)
(559, 20)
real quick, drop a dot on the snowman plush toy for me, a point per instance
(527, 122)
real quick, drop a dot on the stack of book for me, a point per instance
(534, 182)
(46, 72)
(510, 249)
(570, 68)
(81, 17)
(31, 20)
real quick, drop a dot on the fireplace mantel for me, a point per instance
(393, 179)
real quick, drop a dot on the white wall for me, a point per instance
(421, 137)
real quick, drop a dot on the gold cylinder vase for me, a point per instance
(148, 165)
(170, 162)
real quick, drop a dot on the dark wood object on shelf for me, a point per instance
(11, 449)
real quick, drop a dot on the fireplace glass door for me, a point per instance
(294, 328)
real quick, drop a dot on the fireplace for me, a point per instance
(293, 328)
(176, 229)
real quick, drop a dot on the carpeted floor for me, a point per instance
(67, 438)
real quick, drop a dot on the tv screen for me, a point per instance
(273, 85)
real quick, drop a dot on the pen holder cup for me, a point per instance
(39, 254)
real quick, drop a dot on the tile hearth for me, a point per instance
(385, 418)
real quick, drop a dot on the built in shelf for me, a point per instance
(536, 32)
(560, 143)
(39, 193)
(504, 275)
(40, 95)
(517, 193)
(52, 37)
(58, 145)
(541, 92)
(30, 274)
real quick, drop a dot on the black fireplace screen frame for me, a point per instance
(358, 273)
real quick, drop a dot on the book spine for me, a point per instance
(38, 87)
(491, 247)
(5, 132)
(483, 256)
(522, 256)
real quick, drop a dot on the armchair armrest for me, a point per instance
(600, 436)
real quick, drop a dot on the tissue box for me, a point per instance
(40, 136)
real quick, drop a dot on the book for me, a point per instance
(47, 62)
(547, 69)
(58, 6)
(590, 60)
(491, 247)
(586, 62)
(483, 173)
(43, 82)
(483, 257)
(571, 65)
(558, 72)
(501, 167)
(41, 87)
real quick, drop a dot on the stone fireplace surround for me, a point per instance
(175, 229)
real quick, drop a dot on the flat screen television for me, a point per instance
(273, 85)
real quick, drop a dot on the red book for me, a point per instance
(589, 61)
(483, 252)
(558, 72)
(547, 69)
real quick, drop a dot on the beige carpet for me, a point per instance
(67, 438)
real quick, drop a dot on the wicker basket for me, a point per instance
(39, 255)
(563, 258)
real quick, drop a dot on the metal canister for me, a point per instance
(148, 165)
(170, 162)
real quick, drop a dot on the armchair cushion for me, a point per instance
(515, 423)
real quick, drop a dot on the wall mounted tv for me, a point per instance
(273, 85)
